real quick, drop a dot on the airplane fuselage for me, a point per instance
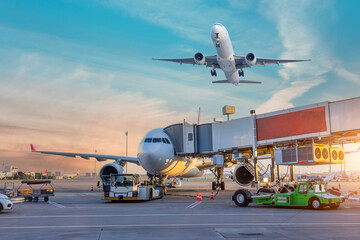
(225, 52)
(157, 156)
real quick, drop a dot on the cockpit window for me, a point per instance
(165, 140)
(156, 140)
(148, 140)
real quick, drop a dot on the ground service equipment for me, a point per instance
(27, 190)
(127, 187)
(307, 194)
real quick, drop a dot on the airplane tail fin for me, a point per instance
(248, 81)
(221, 81)
(32, 148)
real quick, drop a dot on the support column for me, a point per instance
(278, 172)
(254, 146)
(292, 173)
(273, 174)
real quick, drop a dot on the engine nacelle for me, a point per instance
(199, 58)
(110, 168)
(243, 176)
(250, 59)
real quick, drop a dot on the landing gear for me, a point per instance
(213, 73)
(218, 184)
(241, 73)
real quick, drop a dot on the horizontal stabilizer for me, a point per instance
(248, 81)
(221, 81)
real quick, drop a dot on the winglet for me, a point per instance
(32, 148)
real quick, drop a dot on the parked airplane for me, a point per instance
(226, 59)
(156, 155)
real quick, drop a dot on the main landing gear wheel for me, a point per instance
(242, 198)
(213, 73)
(241, 73)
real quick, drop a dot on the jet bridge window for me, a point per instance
(190, 137)
(148, 140)
(155, 140)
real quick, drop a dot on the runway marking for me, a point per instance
(56, 204)
(325, 224)
(180, 214)
(194, 204)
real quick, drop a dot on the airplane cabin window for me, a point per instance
(148, 140)
(156, 140)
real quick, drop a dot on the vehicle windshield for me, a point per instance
(122, 181)
(318, 188)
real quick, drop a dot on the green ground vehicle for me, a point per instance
(307, 194)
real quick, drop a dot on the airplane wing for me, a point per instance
(241, 63)
(87, 156)
(209, 61)
(241, 81)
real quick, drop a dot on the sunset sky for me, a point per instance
(76, 75)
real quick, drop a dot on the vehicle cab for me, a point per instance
(128, 187)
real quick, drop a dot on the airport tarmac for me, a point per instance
(77, 213)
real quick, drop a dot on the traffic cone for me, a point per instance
(92, 188)
(248, 188)
(212, 195)
(198, 196)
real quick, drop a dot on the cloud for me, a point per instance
(300, 41)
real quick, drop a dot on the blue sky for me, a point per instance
(76, 75)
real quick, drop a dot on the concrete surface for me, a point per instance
(77, 213)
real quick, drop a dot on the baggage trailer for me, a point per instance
(306, 194)
(127, 187)
(27, 190)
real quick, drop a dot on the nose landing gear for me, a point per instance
(218, 184)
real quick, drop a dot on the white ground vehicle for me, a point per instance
(124, 187)
(5, 203)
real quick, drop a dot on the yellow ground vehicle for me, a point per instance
(27, 190)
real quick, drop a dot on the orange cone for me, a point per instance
(198, 196)
(248, 188)
(212, 195)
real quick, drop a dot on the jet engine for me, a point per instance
(199, 58)
(110, 168)
(250, 59)
(243, 176)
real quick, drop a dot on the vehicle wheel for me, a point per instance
(222, 185)
(46, 199)
(242, 198)
(30, 199)
(36, 199)
(25, 198)
(150, 195)
(315, 203)
(1, 207)
(161, 194)
(213, 186)
(335, 205)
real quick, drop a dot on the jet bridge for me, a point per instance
(291, 134)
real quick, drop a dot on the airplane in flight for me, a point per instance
(156, 155)
(231, 64)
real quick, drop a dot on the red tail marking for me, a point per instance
(32, 148)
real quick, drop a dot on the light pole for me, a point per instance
(95, 164)
(126, 134)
